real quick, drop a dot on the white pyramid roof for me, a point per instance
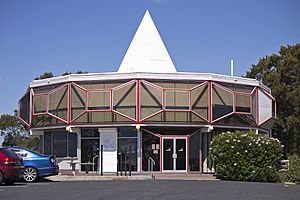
(147, 52)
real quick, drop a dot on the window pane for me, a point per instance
(48, 144)
(86, 133)
(78, 98)
(177, 100)
(242, 103)
(40, 103)
(45, 120)
(200, 104)
(99, 101)
(60, 144)
(124, 100)
(58, 103)
(123, 147)
(72, 142)
(150, 151)
(151, 100)
(222, 101)
(127, 132)
(24, 107)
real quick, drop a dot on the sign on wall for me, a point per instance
(109, 141)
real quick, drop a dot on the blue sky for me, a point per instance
(93, 36)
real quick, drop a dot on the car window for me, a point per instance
(9, 153)
(21, 153)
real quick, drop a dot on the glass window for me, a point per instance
(242, 103)
(72, 144)
(127, 132)
(273, 109)
(124, 147)
(254, 105)
(78, 98)
(45, 120)
(60, 144)
(237, 87)
(150, 99)
(88, 133)
(24, 105)
(222, 102)
(194, 152)
(124, 100)
(99, 100)
(45, 89)
(48, 143)
(200, 104)
(178, 100)
(151, 152)
(39, 104)
(58, 103)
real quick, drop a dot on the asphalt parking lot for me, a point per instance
(151, 189)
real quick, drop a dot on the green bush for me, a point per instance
(293, 175)
(241, 156)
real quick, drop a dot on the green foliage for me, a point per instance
(15, 134)
(44, 76)
(293, 175)
(241, 156)
(282, 74)
(50, 74)
(16, 139)
(8, 121)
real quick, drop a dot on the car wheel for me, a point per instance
(30, 174)
(1, 178)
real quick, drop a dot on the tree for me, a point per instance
(50, 74)
(44, 76)
(281, 73)
(15, 134)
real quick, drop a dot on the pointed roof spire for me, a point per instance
(147, 52)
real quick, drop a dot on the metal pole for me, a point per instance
(231, 66)
(121, 164)
(118, 168)
(129, 160)
(125, 161)
(101, 159)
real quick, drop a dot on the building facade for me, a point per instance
(146, 114)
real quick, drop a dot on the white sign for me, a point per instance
(109, 141)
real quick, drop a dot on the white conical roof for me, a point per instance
(147, 52)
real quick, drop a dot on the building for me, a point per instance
(164, 118)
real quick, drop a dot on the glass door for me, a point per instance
(174, 154)
(89, 154)
(168, 154)
(181, 154)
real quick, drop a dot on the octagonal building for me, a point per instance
(147, 116)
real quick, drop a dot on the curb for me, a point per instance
(96, 178)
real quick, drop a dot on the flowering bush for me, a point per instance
(244, 156)
(293, 174)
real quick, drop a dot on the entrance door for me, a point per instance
(90, 154)
(174, 154)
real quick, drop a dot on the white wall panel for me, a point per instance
(264, 107)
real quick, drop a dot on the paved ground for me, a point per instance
(151, 189)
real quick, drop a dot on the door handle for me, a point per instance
(181, 149)
(174, 155)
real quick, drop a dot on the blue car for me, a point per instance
(36, 165)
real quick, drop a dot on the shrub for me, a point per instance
(244, 156)
(293, 175)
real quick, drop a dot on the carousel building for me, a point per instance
(162, 118)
